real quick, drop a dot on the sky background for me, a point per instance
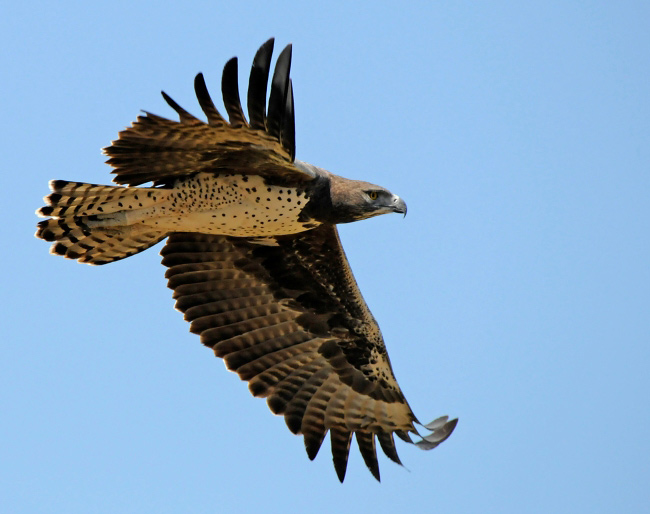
(515, 294)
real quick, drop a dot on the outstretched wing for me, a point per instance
(155, 149)
(286, 314)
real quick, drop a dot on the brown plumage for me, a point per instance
(253, 257)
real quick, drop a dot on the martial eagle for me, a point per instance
(253, 256)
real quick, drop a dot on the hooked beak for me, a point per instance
(398, 205)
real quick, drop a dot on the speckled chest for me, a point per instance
(236, 205)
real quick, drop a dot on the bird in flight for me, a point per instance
(253, 257)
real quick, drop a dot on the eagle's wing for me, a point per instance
(286, 314)
(155, 149)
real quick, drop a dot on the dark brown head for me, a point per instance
(335, 199)
(354, 200)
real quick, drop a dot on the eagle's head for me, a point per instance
(354, 200)
(335, 199)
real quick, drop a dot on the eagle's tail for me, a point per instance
(98, 224)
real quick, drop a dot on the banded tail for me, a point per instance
(98, 224)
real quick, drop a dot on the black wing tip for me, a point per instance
(170, 101)
(257, 85)
(268, 45)
(312, 451)
(340, 440)
(230, 92)
(341, 467)
(281, 104)
(312, 446)
(184, 116)
(281, 123)
(368, 450)
(289, 127)
(232, 62)
(280, 120)
(205, 100)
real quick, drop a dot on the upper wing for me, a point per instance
(157, 149)
(286, 314)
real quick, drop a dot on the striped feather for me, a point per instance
(85, 226)
(294, 326)
(159, 150)
(368, 450)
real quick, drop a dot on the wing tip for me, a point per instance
(441, 428)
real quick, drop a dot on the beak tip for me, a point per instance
(399, 206)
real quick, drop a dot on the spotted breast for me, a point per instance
(229, 204)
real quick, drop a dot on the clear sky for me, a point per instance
(515, 294)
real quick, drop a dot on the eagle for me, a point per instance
(253, 257)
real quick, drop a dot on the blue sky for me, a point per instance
(515, 294)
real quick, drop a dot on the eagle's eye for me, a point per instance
(372, 195)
